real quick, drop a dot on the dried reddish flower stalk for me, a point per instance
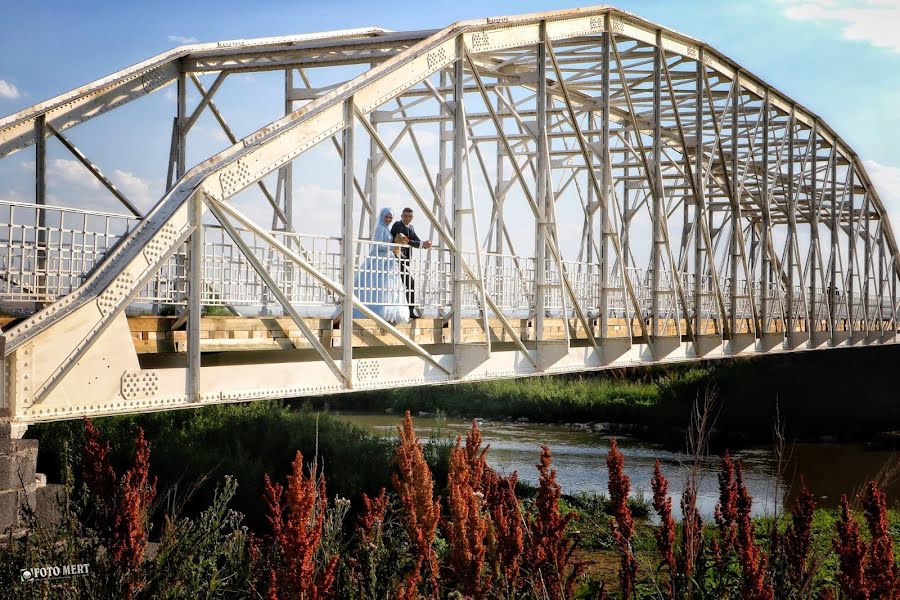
(372, 517)
(880, 570)
(798, 537)
(123, 507)
(851, 553)
(414, 485)
(826, 594)
(550, 553)
(509, 531)
(476, 456)
(297, 516)
(98, 475)
(469, 527)
(623, 523)
(665, 533)
(726, 510)
(691, 533)
(754, 585)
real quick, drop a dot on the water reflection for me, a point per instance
(579, 457)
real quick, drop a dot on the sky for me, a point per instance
(838, 58)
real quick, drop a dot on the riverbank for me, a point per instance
(244, 441)
(658, 399)
(836, 396)
(423, 518)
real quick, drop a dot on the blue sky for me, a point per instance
(840, 59)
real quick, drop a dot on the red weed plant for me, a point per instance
(297, 515)
(476, 456)
(136, 493)
(123, 506)
(665, 533)
(754, 584)
(851, 551)
(363, 564)
(880, 570)
(468, 527)
(691, 535)
(509, 530)
(622, 522)
(414, 485)
(99, 476)
(798, 537)
(726, 512)
(550, 552)
(372, 518)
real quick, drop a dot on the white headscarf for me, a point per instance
(386, 234)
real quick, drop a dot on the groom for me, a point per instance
(404, 226)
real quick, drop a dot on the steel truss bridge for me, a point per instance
(674, 207)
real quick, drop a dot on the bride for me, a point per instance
(377, 282)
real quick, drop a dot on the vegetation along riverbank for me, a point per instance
(815, 395)
(421, 521)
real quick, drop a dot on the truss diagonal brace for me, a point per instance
(273, 286)
(94, 169)
(324, 280)
(554, 250)
(448, 239)
(62, 370)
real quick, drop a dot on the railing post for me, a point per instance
(605, 176)
(658, 211)
(180, 160)
(40, 199)
(867, 257)
(540, 266)
(792, 228)
(348, 246)
(835, 249)
(458, 164)
(372, 180)
(812, 319)
(181, 134)
(735, 210)
(699, 214)
(195, 292)
(851, 249)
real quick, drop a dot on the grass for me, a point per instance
(548, 399)
(243, 440)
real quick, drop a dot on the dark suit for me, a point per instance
(414, 242)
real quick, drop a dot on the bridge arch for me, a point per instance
(601, 191)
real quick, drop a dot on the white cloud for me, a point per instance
(70, 178)
(135, 189)
(873, 21)
(9, 91)
(181, 39)
(67, 172)
(886, 180)
(72, 172)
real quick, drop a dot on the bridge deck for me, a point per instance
(152, 335)
(601, 191)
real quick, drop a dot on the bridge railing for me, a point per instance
(46, 252)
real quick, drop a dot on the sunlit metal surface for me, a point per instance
(676, 207)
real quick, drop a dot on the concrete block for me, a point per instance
(48, 504)
(9, 511)
(5, 437)
(11, 507)
(26, 445)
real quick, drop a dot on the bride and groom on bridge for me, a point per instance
(385, 277)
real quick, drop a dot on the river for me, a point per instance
(579, 456)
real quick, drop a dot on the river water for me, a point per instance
(579, 456)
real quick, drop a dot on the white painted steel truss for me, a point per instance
(713, 216)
